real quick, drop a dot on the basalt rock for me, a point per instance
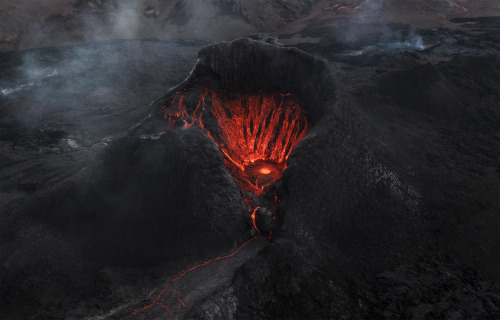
(247, 66)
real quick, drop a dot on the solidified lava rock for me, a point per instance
(264, 219)
(423, 89)
(248, 66)
(365, 199)
(146, 200)
(152, 195)
(348, 209)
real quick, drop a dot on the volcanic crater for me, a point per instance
(256, 101)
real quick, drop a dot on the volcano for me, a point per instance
(255, 133)
(340, 162)
(256, 102)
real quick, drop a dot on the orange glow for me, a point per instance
(255, 134)
(252, 131)
(265, 171)
(253, 220)
(167, 288)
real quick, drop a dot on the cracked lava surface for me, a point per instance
(254, 132)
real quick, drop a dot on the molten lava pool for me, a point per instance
(255, 132)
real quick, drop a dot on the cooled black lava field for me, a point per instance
(295, 174)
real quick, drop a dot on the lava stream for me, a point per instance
(167, 289)
(254, 132)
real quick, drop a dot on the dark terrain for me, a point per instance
(389, 208)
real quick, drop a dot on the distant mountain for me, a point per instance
(443, 7)
(31, 23)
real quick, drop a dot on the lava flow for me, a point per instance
(168, 288)
(255, 132)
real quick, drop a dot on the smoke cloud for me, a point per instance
(371, 26)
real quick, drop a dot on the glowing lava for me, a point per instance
(168, 289)
(253, 220)
(255, 132)
(265, 171)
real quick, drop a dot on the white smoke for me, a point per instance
(371, 25)
(410, 42)
(36, 81)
